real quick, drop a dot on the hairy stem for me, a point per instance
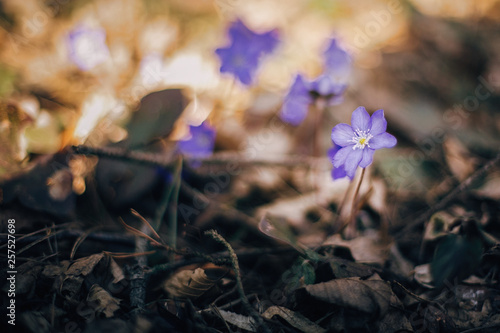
(234, 261)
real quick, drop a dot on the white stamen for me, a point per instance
(361, 139)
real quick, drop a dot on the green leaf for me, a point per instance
(456, 256)
(156, 117)
(300, 274)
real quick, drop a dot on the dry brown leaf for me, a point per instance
(192, 284)
(368, 248)
(439, 225)
(491, 187)
(371, 296)
(102, 301)
(458, 158)
(238, 320)
(343, 268)
(117, 271)
(423, 275)
(293, 318)
(76, 272)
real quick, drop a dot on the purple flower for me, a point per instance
(337, 61)
(201, 143)
(359, 141)
(304, 93)
(242, 56)
(296, 102)
(87, 47)
(339, 172)
(328, 87)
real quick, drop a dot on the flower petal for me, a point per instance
(296, 102)
(243, 56)
(379, 124)
(337, 60)
(342, 135)
(367, 157)
(294, 110)
(299, 87)
(383, 140)
(201, 143)
(338, 173)
(341, 156)
(352, 161)
(360, 119)
(332, 151)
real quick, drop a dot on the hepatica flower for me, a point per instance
(337, 61)
(200, 144)
(242, 57)
(87, 47)
(303, 93)
(339, 172)
(328, 87)
(357, 143)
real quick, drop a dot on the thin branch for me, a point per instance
(216, 159)
(125, 154)
(20, 238)
(229, 211)
(47, 236)
(81, 239)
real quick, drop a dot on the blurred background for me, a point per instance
(414, 59)
(75, 72)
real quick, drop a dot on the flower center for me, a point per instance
(361, 139)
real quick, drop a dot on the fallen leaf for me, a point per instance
(372, 296)
(458, 158)
(76, 273)
(438, 225)
(192, 284)
(238, 320)
(423, 275)
(293, 318)
(368, 248)
(102, 301)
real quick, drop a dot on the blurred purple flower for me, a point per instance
(200, 144)
(296, 102)
(242, 56)
(337, 61)
(87, 47)
(359, 141)
(304, 93)
(328, 87)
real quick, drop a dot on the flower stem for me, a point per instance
(316, 151)
(352, 218)
(317, 131)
